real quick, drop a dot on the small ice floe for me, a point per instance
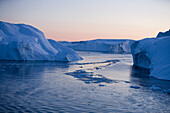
(155, 88)
(87, 82)
(36, 39)
(135, 87)
(80, 71)
(167, 91)
(126, 81)
(102, 85)
(99, 75)
(107, 61)
(90, 77)
(97, 68)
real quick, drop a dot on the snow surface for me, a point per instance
(153, 54)
(69, 54)
(24, 42)
(101, 45)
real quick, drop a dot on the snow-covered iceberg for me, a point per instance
(69, 54)
(24, 42)
(101, 45)
(153, 54)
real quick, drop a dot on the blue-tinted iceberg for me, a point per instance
(101, 45)
(24, 42)
(69, 54)
(153, 54)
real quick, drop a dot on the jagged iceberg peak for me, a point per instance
(162, 34)
(24, 42)
(153, 54)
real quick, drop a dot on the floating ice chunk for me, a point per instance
(126, 81)
(87, 82)
(167, 91)
(135, 87)
(90, 77)
(36, 39)
(97, 68)
(102, 85)
(83, 74)
(156, 88)
(80, 71)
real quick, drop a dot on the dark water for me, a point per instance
(99, 83)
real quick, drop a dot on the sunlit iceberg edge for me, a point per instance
(27, 43)
(153, 54)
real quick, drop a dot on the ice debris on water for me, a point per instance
(135, 87)
(126, 81)
(102, 85)
(97, 68)
(90, 77)
(167, 91)
(156, 88)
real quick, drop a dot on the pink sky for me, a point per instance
(90, 19)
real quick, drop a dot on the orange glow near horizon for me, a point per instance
(76, 20)
(78, 36)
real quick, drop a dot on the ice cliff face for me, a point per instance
(153, 54)
(101, 45)
(69, 54)
(24, 42)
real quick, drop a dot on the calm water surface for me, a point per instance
(99, 83)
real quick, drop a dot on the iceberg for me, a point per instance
(119, 46)
(153, 54)
(24, 42)
(69, 54)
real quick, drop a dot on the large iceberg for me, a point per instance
(101, 45)
(24, 42)
(69, 54)
(153, 54)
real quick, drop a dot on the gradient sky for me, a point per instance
(90, 19)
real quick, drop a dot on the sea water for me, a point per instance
(99, 83)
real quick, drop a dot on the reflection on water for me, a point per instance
(140, 76)
(24, 83)
(24, 68)
(53, 87)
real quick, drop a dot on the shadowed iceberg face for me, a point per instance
(140, 77)
(24, 42)
(153, 54)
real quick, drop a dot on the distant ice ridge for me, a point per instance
(24, 42)
(153, 54)
(101, 45)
